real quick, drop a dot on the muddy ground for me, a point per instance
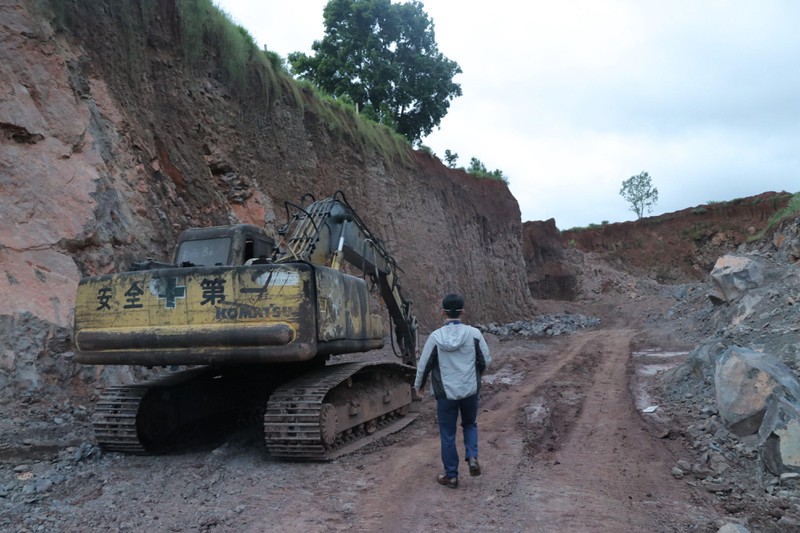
(564, 446)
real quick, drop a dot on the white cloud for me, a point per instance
(570, 98)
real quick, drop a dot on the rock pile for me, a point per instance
(728, 466)
(544, 325)
(741, 382)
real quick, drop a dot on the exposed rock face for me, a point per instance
(786, 240)
(550, 276)
(111, 146)
(677, 247)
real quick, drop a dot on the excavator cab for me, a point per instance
(223, 246)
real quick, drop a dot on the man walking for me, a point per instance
(454, 357)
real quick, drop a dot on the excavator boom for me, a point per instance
(330, 231)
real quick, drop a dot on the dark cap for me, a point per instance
(453, 302)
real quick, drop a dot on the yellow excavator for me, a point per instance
(256, 323)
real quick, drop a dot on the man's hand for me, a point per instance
(418, 394)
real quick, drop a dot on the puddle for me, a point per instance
(655, 353)
(504, 377)
(652, 370)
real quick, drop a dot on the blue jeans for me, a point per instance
(447, 412)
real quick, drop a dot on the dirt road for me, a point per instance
(562, 449)
(561, 445)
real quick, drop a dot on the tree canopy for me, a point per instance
(384, 58)
(640, 193)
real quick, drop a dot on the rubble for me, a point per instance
(737, 392)
(544, 325)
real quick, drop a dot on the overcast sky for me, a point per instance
(569, 98)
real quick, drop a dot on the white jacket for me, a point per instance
(454, 356)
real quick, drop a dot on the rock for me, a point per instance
(721, 468)
(733, 528)
(677, 473)
(708, 410)
(779, 436)
(703, 361)
(717, 486)
(744, 380)
(790, 479)
(543, 325)
(733, 275)
(701, 472)
(788, 524)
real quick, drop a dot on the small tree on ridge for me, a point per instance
(640, 193)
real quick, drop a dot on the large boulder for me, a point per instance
(745, 380)
(779, 436)
(733, 276)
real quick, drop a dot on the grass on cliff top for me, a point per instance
(209, 37)
(206, 26)
(792, 209)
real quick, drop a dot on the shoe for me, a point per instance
(474, 467)
(450, 482)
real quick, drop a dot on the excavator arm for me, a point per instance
(328, 232)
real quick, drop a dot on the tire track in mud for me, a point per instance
(480, 503)
(602, 471)
(561, 445)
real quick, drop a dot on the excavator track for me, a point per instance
(179, 409)
(114, 419)
(327, 413)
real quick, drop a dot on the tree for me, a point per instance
(477, 168)
(384, 57)
(450, 158)
(640, 193)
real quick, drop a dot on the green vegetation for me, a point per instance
(640, 193)
(792, 209)
(341, 118)
(478, 169)
(383, 56)
(425, 150)
(450, 158)
(698, 233)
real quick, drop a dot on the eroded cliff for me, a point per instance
(673, 248)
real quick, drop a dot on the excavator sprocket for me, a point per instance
(333, 410)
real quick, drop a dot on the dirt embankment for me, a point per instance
(682, 246)
(673, 248)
